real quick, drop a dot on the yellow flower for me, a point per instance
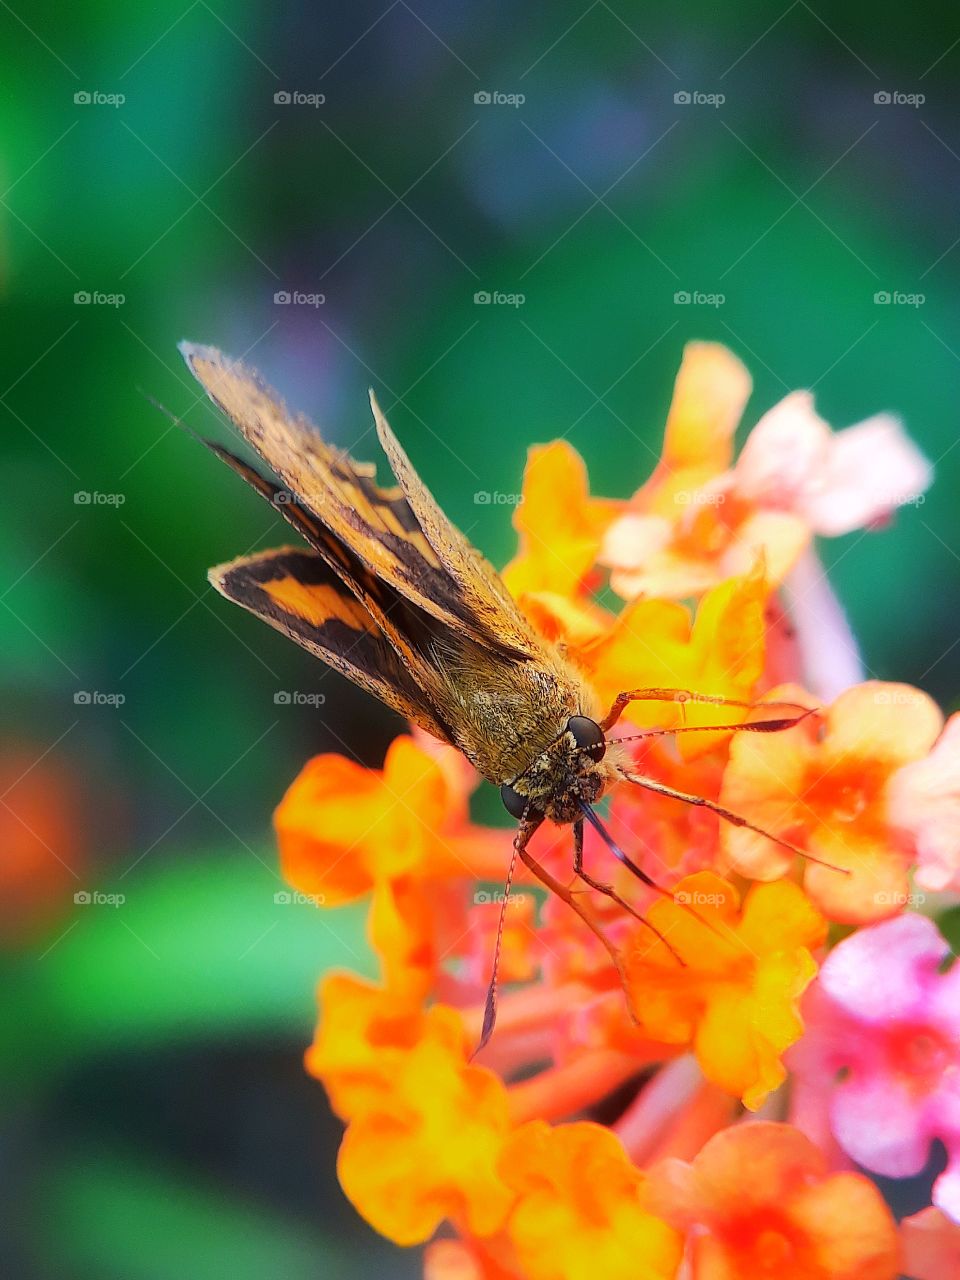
(581, 1210)
(734, 999)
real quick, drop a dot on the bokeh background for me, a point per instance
(155, 1119)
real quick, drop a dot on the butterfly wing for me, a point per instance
(477, 580)
(297, 593)
(399, 534)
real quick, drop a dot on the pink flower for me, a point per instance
(836, 482)
(885, 1014)
(925, 800)
(701, 517)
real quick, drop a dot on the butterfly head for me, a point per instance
(575, 769)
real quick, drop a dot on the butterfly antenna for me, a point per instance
(169, 414)
(490, 1004)
(735, 819)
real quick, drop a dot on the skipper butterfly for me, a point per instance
(391, 594)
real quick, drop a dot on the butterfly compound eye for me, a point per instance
(514, 803)
(588, 735)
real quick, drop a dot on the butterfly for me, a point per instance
(391, 594)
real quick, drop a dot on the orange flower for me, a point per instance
(931, 1245)
(426, 1128)
(734, 999)
(824, 786)
(343, 828)
(683, 531)
(654, 643)
(581, 1209)
(41, 835)
(559, 524)
(709, 397)
(362, 1034)
(454, 1260)
(758, 1202)
(433, 1139)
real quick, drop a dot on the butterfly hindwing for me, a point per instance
(298, 594)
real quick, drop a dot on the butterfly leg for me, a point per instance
(568, 896)
(524, 832)
(609, 891)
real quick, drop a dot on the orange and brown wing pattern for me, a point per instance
(396, 541)
(481, 586)
(411, 633)
(298, 594)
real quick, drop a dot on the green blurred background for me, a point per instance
(156, 1122)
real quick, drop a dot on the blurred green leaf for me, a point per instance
(199, 947)
(109, 1216)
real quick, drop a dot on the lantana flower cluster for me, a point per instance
(707, 1098)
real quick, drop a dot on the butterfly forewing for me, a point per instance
(378, 524)
(395, 597)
